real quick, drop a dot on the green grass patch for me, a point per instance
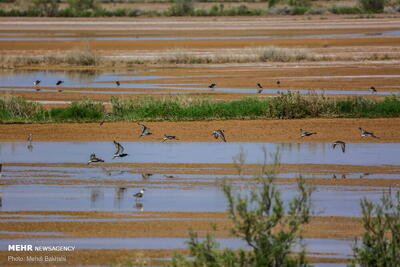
(290, 105)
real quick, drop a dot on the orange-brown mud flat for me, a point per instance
(328, 130)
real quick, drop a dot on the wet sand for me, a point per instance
(328, 130)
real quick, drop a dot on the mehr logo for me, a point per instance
(20, 248)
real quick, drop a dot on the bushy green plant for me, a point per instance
(345, 10)
(83, 110)
(181, 8)
(293, 105)
(380, 244)
(261, 220)
(16, 108)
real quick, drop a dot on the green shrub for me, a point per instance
(372, 6)
(380, 244)
(181, 8)
(261, 220)
(16, 108)
(83, 110)
(345, 10)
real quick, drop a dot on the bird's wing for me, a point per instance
(119, 148)
(343, 145)
(222, 136)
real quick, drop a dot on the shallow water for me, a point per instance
(140, 37)
(74, 80)
(327, 200)
(206, 152)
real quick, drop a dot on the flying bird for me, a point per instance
(365, 133)
(120, 150)
(139, 195)
(259, 88)
(94, 159)
(146, 175)
(145, 130)
(169, 137)
(219, 134)
(341, 144)
(106, 116)
(305, 133)
(36, 83)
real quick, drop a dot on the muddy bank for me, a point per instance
(328, 130)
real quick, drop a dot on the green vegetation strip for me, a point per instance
(291, 105)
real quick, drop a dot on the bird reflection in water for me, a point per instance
(95, 195)
(119, 196)
(139, 206)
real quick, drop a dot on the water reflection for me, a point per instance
(95, 196)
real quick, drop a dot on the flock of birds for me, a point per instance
(218, 134)
(212, 86)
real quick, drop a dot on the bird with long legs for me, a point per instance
(138, 196)
(106, 117)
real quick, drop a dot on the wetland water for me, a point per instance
(140, 37)
(84, 81)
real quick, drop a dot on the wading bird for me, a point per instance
(219, 134)
(59, 82)
(120, 150)
(169, 176)
(145, 130)
(305, 133)
(341, 144)
(212, 86)
(365, 133)
(36, 83)
(278, 83)
(94, 159)
(117, 83)
(30, 138)
(169, 137)
(139, 195)
(373, 90)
